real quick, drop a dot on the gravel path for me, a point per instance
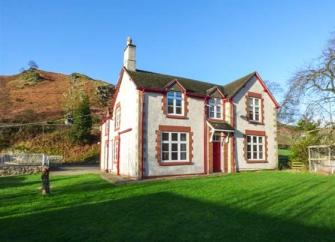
(68, 170)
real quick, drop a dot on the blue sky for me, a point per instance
(217, 41)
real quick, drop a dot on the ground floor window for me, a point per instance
(174, 146)
(115, 150)
(106, 153)
(255, 147)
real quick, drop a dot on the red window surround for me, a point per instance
(168, 128)
(259, 96)
(256, 133)
(185, 101)
(222, 119)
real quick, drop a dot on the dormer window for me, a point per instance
(174, 103)
(215, 108)
(254, 109)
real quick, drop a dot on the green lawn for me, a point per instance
(255, 206)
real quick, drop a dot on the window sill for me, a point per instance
(216, 120)
(255, 122)
(257, 161)
(175, 163)
(176, 116)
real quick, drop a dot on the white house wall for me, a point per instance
(269, 126)
(128, 162)
(102, 148)
(128, 99)
(154, 117)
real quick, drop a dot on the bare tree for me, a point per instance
(275, 88)
(312, 90)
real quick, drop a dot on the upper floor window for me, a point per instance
(174, 103)
(117, 117)
(215, 108)
(254, 109)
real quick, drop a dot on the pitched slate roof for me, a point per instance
(221, 125)
(146, 79)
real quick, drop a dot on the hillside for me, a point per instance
(286, 134)
(41, 94)
(36, 95)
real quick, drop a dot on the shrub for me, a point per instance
(82, 122)
(104, 93)
(310, 136)
(57, 143)
(299, 148)
(31, 77)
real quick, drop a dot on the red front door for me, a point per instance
(216, 157)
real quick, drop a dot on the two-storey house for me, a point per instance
(163, 125)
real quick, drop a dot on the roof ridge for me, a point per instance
(150, 79)
(176, 77)
(205, 82)
(236, 80)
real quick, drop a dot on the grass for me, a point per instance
(255, 206)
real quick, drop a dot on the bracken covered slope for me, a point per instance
(44, 96)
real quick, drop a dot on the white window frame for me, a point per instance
(252, 144)
(174, 105)
(254, 108)
(179, 143)
(115, 150)
(215, 108)
(117, 117)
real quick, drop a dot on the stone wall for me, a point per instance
(11, 170)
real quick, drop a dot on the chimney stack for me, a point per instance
(129, 58)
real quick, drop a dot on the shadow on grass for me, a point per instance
(21, 180)
(161, 216)
(15, 181)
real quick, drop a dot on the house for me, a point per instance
(162, 125)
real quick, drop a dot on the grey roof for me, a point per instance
(146, 79)
(221, 125)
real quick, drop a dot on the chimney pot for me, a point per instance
(129, 57)
(129, 41)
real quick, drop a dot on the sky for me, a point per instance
(216, 41)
